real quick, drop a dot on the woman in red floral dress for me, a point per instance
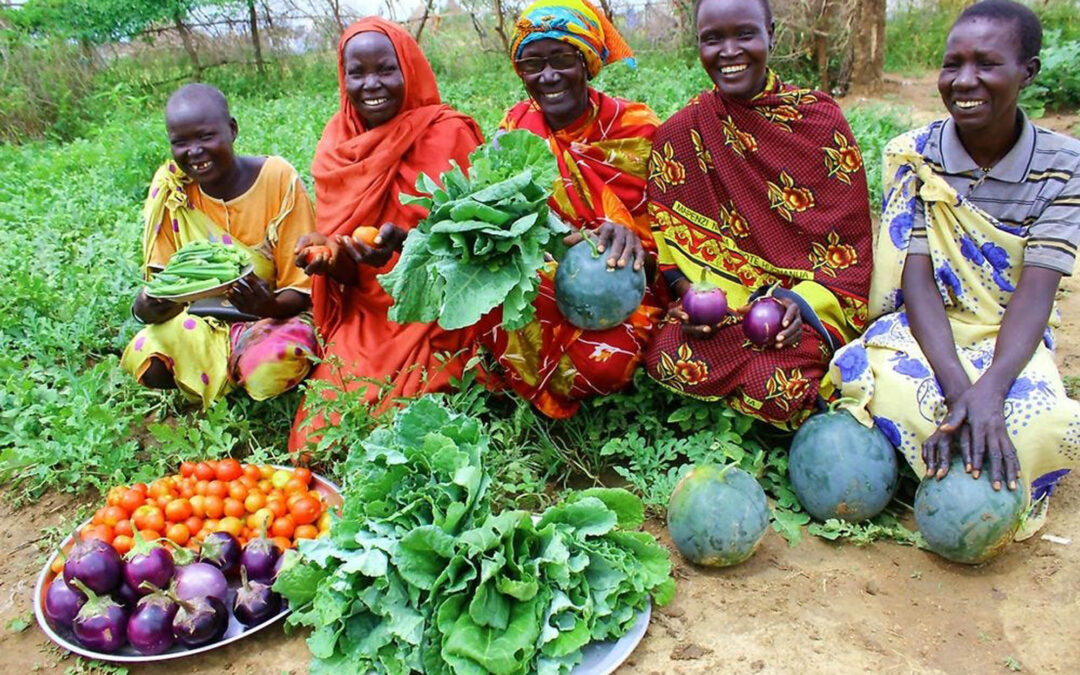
(757, 186)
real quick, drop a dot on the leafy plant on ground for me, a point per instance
(883, 527)
(421, 575)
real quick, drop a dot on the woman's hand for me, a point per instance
(622, 244)
(693, 331)
(314, 254)
(155, 310)
(389, 241)
(790, 327)
(252, 295)
(977, 421)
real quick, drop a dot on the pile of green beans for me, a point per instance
(197, 267)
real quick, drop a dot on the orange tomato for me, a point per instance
(238, 491)
(198, 505)
(114, 495)
(194, 524)
(123, 543)
(211, 524)
(99, 516)
(57, 564)
(131, 500)
(179, 510)
(123, 527)
(295, 485)
(113, 515)
(187, 488)
(266, 471)
(163, 500)
(366, 234)
(201, 486)
(187, 469)
(149, 535)
(217, 488)
(254, 502)
(230, 524)
(283, 543)
(303, 474)
(277, 505)
(148, 517)
(204, 471)
(141, 487)
(234, 508)
(283, 527)
(102, 532)
(248, 482)
(251, 471)
(214, 506)
(305, 510)
(229, 469)
(203, 533)
(159, 487)
(306, 532)
(178, 533)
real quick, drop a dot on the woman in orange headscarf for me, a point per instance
(390, 127)
(602, 145)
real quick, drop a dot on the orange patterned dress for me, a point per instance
(602, 164)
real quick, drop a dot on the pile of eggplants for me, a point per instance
(158, 596)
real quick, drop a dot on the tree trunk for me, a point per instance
(423, 19)
(868, 44)
(500, 26)
(253, 18)
(335, 9)
(189, 45)
(606, 6)
(821, 44)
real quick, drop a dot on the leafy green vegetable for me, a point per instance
(419, 575)
(484, 238)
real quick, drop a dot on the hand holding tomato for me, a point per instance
(383, 246)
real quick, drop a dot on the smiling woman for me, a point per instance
(757, 187)
(981, 221)
(391, 125)
(258, 204)
(601, 144)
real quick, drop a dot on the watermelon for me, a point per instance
(717, 516)
(593, 296)
(841, 469)
(964, 519)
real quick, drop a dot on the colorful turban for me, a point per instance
(576, 22)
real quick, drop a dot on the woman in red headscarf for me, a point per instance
(390, 127)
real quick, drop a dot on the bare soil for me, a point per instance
(815, 608)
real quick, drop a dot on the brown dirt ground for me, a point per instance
(815, 608)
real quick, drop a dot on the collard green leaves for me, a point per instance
(484, 238)
(420, 576)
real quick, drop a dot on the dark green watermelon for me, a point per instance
(842, 469)
(964, 519)
(717, 516)
(593, 296)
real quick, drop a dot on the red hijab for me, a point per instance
(359, 172)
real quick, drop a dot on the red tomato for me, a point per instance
(131, 500)
(194, 524)
(148, 517)
(187, 469)
(113, 496)
(305, 510)
(215, 506)
(306, 532)
(178, 510)
(217, 488)
(283, 527)
(229, 469)
(283, 543)
(102, 532)
(204, 471)
(303, 474)
(123, 528)
(238, 491)
(122, 543)
(178, 533)
(234, 508)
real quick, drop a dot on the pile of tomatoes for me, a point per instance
(213, 496)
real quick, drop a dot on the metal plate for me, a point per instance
(236, 631)
(211, 292)
(602, 658)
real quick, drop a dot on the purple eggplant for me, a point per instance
(62, 603)
(222, 550)
(150, 626)
(126, 595)
(101, 624)
(259, 557)
(255, 602)
(94, 563)
(200, 621)
(148, 561)
(201, 579)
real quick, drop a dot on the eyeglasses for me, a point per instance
(557, 61)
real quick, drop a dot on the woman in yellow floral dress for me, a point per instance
(757, 186)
